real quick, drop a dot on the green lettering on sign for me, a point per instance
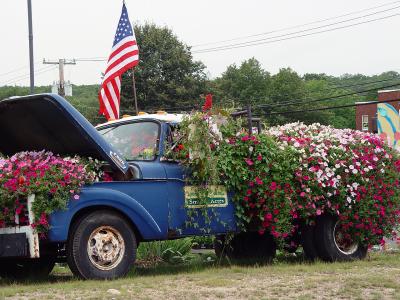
(217, 197)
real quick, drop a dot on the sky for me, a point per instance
(85, 29)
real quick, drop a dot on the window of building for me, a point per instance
(364, 125)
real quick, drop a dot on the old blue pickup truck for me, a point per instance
(148, 198)
(98, 235)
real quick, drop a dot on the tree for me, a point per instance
(242, 85)
(286, 86)
(167, 76)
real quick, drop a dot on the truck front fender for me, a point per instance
(60, 221)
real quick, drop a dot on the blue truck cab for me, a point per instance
(146, 199)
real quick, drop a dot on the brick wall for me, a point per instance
(371, 110)
(390, 95)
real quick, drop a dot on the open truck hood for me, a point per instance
(49, 122)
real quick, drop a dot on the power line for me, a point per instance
(296, 26)
(91, 59)
(25, 76)
(337, 87)
(272, 39)
(254, 43)
(298, 102)
(13, 71)
(329, 107)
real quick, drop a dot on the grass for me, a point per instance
(377, 277)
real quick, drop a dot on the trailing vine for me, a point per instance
(195, 147)
(292, 174)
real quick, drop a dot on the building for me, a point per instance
(382, 118)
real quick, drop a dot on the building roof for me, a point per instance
(389, 91)
(365, 102)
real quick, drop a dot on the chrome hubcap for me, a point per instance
(105, 248)
(343, 244)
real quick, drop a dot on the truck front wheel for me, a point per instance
(102, 246)
(331, 243)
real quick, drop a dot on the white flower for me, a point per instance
(351, 167)
(355, 171)
(348, 199)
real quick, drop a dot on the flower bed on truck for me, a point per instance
(287, 178)
(54, 180)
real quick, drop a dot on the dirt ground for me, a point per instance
(377, 277)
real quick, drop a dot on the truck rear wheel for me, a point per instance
(246, 245)
(331, 244)
(102, 246)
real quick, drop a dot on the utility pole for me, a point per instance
(134, 91)
(61, 62)
(31, 69)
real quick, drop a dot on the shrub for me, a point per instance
(294, 173)
(170, 251)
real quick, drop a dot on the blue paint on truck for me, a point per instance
(149, 192)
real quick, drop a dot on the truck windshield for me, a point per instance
(134, 141)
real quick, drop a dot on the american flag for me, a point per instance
(124, 55)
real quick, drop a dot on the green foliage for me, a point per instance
(170, 251)
(293, 173)
(52, 179)
(194, 148)
(167, 75)
(206, 241)
(238, 86)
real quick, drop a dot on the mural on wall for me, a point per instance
(389, 124)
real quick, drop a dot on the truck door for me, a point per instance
(186, 215)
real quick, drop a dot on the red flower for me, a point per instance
(249, 161)
(258, 181)
(21, 180)
(268, 217)
(208, 102)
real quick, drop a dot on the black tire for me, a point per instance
(116, 234)
(307, 236)
(327, 246)
(21, 269)
(246, 245)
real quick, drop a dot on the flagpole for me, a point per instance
(134, 91)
